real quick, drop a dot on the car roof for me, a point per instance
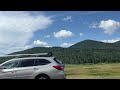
(28, 56)
(33, 58)
(15, 59)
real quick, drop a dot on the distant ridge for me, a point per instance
(87, 51)
(95, 44)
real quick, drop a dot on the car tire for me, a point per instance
(42, 77)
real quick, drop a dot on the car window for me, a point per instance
(10, 64)
(41, 62)
(27, 63)
(56, 60)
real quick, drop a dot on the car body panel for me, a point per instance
(32, 72)
(8, 73)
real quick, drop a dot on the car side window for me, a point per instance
(41, 62)
(27, 63)
(11, 64)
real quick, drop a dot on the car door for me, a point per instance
(26, 69)
(8, 70)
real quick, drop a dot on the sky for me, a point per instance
(21, 30)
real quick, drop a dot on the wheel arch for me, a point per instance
(41, 75)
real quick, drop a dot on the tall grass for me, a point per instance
(95, 71)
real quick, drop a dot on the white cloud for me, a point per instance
(47, 36)
(40, 43)
(63, 34)
(18, 27)
(67, 18)
(110, 41)
(109, 26)
(81, 34)
(66, 45)
(94, 25)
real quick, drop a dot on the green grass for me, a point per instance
(94, 71)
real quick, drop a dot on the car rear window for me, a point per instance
(57, 61)
(41, 62)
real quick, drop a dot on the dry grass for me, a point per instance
(95, 71)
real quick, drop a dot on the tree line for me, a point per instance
(91, 53)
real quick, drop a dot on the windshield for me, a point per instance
(8, 65)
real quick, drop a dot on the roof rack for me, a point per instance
(29, 55)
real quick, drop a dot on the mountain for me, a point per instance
(91, 44)
(87, 51)
(117, 44)
(39, 50)
(87, 44)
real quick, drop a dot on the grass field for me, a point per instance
(95, 71)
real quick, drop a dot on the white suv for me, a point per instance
(40, 67)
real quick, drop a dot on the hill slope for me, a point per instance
(91, 44)
(88, 51)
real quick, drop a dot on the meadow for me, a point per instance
(93, 71)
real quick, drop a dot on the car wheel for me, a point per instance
(42, 77)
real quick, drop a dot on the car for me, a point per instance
(31, 67)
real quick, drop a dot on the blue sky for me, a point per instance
(20, 30)
(81, 22)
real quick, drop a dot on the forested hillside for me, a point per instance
(87, 51)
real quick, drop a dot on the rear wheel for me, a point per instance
(42, 77)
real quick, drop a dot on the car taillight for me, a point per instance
(58, 67)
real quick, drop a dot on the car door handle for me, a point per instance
(13, 72)
(35, 68)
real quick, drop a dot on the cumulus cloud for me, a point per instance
(63, 34)
(109, 26)
(18, 27)
(47, 36)
(40, 43)
(110, 41)
(66, 45)
(81, 34)
(94, 25)
(68, 18)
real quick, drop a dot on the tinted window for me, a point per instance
(27, 63)
(11, 64)
(57, 61)
(41, 62)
